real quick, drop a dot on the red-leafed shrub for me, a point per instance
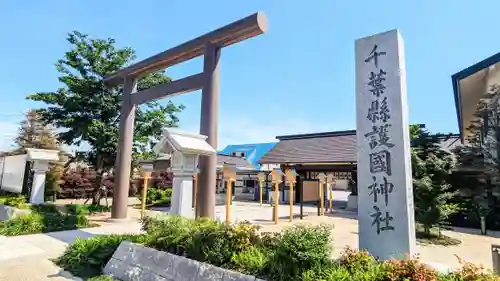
(82, 183)
(410, 269)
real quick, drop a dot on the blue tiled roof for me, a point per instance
(253, 152)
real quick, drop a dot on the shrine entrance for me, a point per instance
(321, 159)
(209, 46)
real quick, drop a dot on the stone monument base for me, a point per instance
(8, 212)
(136, 262)
(352, 202)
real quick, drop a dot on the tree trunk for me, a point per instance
(427, 231)
(98, 189)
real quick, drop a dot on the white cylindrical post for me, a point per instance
(182, 195)
(37, 195)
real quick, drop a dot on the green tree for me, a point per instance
(415, 131)
(90, 112)
(34, 133)
(431, 170)
(479, 159)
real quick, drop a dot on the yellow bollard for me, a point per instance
(229, 191)
(291, 201)
(276, 202)
(321, 200)
(195, 182)
(260, 192)
(331, 197)
(144, 194)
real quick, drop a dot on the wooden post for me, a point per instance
(291, 201)
(261, 177)
(276, 202)
(195, 182)
(276, 179)
(260, 192)
(290, 177)
(321, 206)
(229, 191)
(228, 176)
(301, 185)
(330, 179)
(321, 199)
(144, 193)
(330, 207)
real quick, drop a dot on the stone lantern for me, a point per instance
(146, 167)
(321, 192)
(41, 159)
(276, 178)
(290, 178)
(185, 149)
(229, 176)
(330, 182)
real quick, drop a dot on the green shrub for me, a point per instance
(22, 224)
(250, 261)
(410, 269)
(83, 209)
(353, 260)
(203, 239)
(157, 196)
(471, 272)
(46, 208)
(42, 223)
(87, 257)
(168, 233)
(299, 249)
(14, 200)
(336, 272)
(298, 253)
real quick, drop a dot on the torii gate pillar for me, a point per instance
(209, 126)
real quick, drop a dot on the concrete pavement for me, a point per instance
(52, 245)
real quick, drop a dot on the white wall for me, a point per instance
(12, 173)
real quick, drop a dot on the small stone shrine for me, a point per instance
(41, 159)
(185, 149)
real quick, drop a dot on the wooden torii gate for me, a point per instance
(210, 46)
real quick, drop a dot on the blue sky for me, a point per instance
(297, 78)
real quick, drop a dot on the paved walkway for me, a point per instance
(52, 245)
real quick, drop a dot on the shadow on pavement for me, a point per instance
(343, 214)
(474, 231)
(69, 236)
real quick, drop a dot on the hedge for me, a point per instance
(297, 253)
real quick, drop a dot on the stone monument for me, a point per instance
(385, 209)
(185, 149)
(41, 159)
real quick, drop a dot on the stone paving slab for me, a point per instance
(34, 268)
